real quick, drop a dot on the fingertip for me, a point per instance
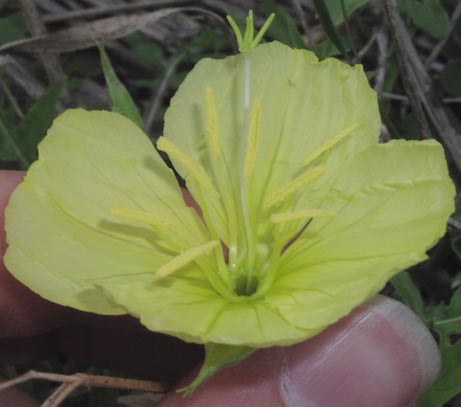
(380, 355)
(22, 312)
(414, 332)
(13, 397)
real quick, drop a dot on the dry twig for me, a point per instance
(87, 35)
(14, 104)
(61, 393)
(364, 50)
(70, 383)
(37, 28)
(420, 90)
(307, 31)
(452, 100)
(157, 100)
(436, 51)
(20, 76)
(382, 40)
(88, 380)
(454, 223)
(113, 9)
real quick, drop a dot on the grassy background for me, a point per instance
(411, 53)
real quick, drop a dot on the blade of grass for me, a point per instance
(37, 121)
(119, 96)
(348, 29)
(327, 24)
(8, 136)
(409, 293)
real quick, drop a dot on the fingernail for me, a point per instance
(380, 355)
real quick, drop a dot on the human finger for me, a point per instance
(22, 312)
(28, 322)
(381, 355)
(13, 397)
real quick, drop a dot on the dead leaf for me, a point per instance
(87, 35)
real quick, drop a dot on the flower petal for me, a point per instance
(391, 204)
(193, 311)
(294, 106)
(63, 238)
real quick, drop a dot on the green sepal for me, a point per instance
(248, 41)
(217, 357)
(120, 99)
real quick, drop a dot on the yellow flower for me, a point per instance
(305, 214)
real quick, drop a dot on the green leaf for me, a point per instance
(217, 357)
(4, 2)
(448, 384)
(90, 163)
(334, 8)
(146, 50)
(451, 79)
(120, 98)
(9, 146)
(409, 293)
(208, 41)
(326, 49)
(283, 28)
(456, 244)
(38, 119)
(328, 25)
(430, 16)
(446, 319)
(12, 28)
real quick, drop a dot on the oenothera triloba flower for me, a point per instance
(303, 214)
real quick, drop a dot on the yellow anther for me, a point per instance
(294, 186)
(332, 142)
(194, 169)
(185, 258)
(143, 217)
(302, 214)
(254, 135)
(212, 122)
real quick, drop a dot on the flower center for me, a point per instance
(246, 287)
(247, 234)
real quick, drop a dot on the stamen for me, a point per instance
(144, 217)
(332, 142)
(213, 125)
(195, 170)
(302, 214)
(254, 133)
(185, 258)
(294, 186)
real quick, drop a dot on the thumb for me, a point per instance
(381, 355)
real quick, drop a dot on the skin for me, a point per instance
(380, 355)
